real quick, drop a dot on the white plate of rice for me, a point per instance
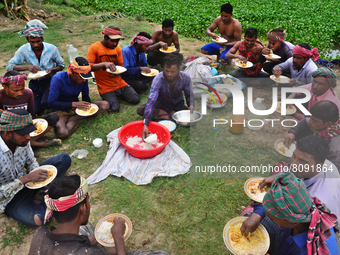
(170, 125)
(103, 234)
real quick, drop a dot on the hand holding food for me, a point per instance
(289, 139)
(277, 71)
(36, 176)
(164, 45)
(33, 69)
(250, 224)
(266, 51)
(109, 65)
(145, 131)
(118, 228)
(266, 182)
(145, 69)
(82, 105)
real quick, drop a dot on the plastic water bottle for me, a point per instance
(258, 105)
(72, 52)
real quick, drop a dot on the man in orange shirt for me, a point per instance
(103, 56)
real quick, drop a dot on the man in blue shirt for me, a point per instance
(39, 56)
(135, 62)
(166, 94)
(63, 98)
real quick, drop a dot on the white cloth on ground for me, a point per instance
(170, 162)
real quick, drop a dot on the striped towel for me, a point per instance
(170, 162)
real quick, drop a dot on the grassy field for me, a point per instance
(304, 21)
(183, 215)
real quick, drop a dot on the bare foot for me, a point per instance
(37, 220)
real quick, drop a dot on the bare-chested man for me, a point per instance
(163, 39)
(250, 49)
(229, 28)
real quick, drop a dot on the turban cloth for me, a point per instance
(77, 68)
(140, 40)
(33, 30)
(63, 203)
(314, 54)
(10, 121)
(327, 73)
(276, 36)
(289, 199)
(15, 80)
(110, 31)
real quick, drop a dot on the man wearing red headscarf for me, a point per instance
(104, 56)
(300, 66)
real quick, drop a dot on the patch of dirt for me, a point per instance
(18, 24)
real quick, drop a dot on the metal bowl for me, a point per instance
(184, 118)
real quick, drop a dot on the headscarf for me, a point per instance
(63, 203)
(333, 130)
(140, 40)
(276, 36)
(306, 53)
(77, 68)
(10, 121)
(110, 31)
(327, 73)
(33, 30)
(15, 80)
(289, 199)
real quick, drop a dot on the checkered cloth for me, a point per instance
(245, 52)
(314, 53)
(110, 31)
(15, 80)
(289, 199)
(331, 131)
(140, 40)
(33, 30)
(10, 121)
(327, 73)
(63, 203)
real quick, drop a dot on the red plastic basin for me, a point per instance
(136, 128)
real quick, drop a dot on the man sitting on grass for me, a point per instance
(299, 68)
(325, 123)
(229, 29)
(63, 98)
(103, 56)
(278, 46)
(39, 56)
(166, 94)
(322, 88)
(67, 200)
(249, 50)
(135, 62)
(320, 176)
(162, 39)
(16, 164)
(14, 95)
(309, 225)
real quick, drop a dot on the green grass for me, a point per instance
(304, 21)
(183, 215)
(14, 236)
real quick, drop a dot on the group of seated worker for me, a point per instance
(294, 201)
(67, 200)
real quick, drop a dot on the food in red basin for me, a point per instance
(136, 128)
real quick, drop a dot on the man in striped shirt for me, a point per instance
(166, 94)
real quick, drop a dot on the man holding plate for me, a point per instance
(278, 47)
(14, 95)
(230, 30)
(63, 98)
(104, 56)
(162, 39)
(16, 164)
(135, 62)
(39, 56)
(67, 201)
